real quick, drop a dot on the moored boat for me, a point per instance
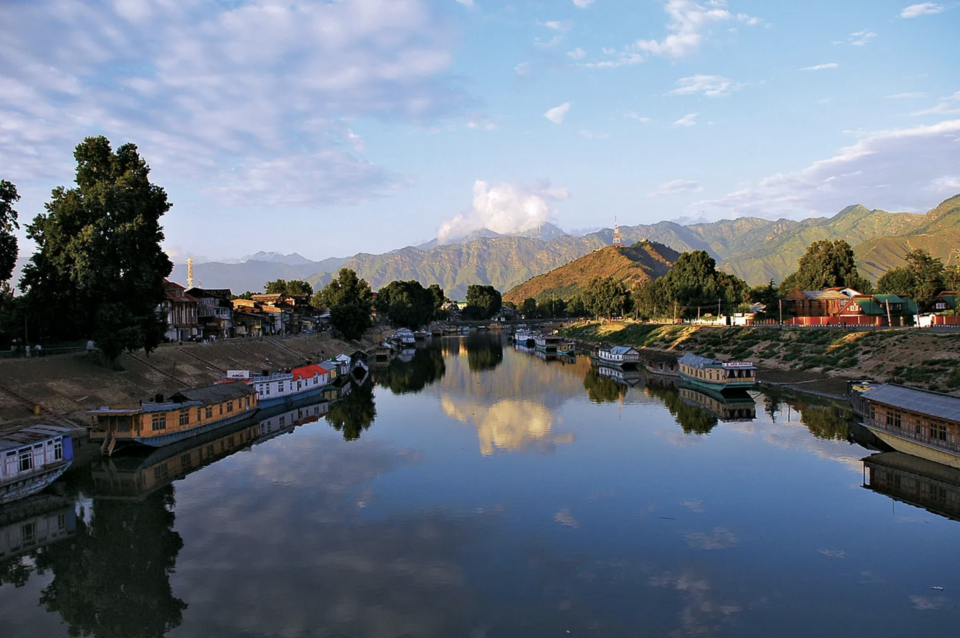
(421, 335)
(547, 343)
(623, 357)
(186, 414)
(286, 387)
(32, 458)
(717, 375)
(406, 337)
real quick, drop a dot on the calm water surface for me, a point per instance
(479, 491)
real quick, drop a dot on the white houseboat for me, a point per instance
(717, 375)
(547, 343)
(284, 387)
(32, 458)
(623, 357)
(406, 337)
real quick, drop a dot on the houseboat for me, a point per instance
(421, 335)
(186, 414)
(34, 522)
(917, 422)
(406, 337)
(547, 343)
(567, 348)
(717, 375)
(32, 458)
(284, 387)
(623, 357)
(524, 337)
(729, 406)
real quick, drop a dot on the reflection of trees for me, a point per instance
(15, 572)
(426, 367)
(112, 580)
(354, 413)
(483, 353)
(825, 422)
(602, 389)
(692, 419)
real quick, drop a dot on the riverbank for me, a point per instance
(821, 360)
(66, 386)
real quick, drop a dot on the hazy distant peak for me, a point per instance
(293, 259)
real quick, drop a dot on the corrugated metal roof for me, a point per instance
(824, 295)
(216, 393)
(31, 435)
(621, 350)
(696, 361)
(943, 406)
(869, 306)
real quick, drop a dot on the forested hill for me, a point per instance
(633, 265)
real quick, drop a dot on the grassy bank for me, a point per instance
(924, 359)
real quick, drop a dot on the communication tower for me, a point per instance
(189, 273)
(617, 240)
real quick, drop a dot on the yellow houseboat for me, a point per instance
(185, 414)
(717, 375)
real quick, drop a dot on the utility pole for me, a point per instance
(781, 311)
(889, 319)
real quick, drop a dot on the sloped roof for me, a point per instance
(696, 361)
(869, 306)
(943, 406)
(31, 435)
(621, 350)
(216, 393)
(824, 295)
(308, 371)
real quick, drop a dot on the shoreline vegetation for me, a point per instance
(821, 360)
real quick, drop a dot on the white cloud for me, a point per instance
(504, 209)
(821, 67)
(466, 3)
(631, 115)
(899, 169)
(861, 38)
(949, 105)
(677, 187)
(922, 9)
(522, 69)
(557, 113)
(223, 93)
(557, 25)
(687, 120)
(709, 85)
(577, 54)
(583, 4)
(901, 96)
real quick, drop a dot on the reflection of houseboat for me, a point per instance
(629, 378)
(406, 355)
(917, 422)
(547, 343)
(914, 481)
(732, 405)
(32, 458)
(35, 522)
(277, 424)
(717, 375)
(567, 348)
(618, 356)
(186, 414)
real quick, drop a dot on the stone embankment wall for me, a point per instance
(65, 386)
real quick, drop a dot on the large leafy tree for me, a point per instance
(921, 278)
(8, 224)
(98, 270)
(605, 297)
(482, 302)
(349, 300)
(826, 264)
(291, 287)
(406, 303)
(694, 282)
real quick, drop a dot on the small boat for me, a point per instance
(717, 375)
(567, 348)
(186, 414)
(421, 335)
(32, 458)
(405, 337)
(623, 357)
(437, 332)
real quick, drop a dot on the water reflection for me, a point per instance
(354, 413)
(915, 481)
(424, 367)
(112, 578)
(29, 525)
(510, 425)
(692, 418)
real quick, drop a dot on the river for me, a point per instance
(476, 490)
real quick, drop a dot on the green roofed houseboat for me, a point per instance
(717, 375)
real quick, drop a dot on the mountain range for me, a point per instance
(754, 249)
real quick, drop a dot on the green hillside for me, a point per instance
(633, 265)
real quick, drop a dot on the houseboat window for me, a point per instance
(26, 460)
(199, 414)
(28, 533)
(873, 413)
(58, 450)
(229, 406)
(248, 401)
(160, 472)
(61, 522)
(11, 463)
(938, 432)
(159, 421)
(209, 451)
(896, 420)
(918, 427)
(185, 417)
(209, 412)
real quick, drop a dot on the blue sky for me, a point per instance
(330, 128)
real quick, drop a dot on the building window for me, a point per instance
(938, 432)
(28, 533)
(229, 406)
(209, 412)
(896, 420)
(159, 421)
(26, 460)
(184, 417)
(199, 414)
(58, 450)
(283, 420)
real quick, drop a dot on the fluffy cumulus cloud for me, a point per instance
(689, 22)
(504, 209)
(225, 94)
(889, 169)
(709, 85)
(922, 9)
(677, 187)
(557, 113)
